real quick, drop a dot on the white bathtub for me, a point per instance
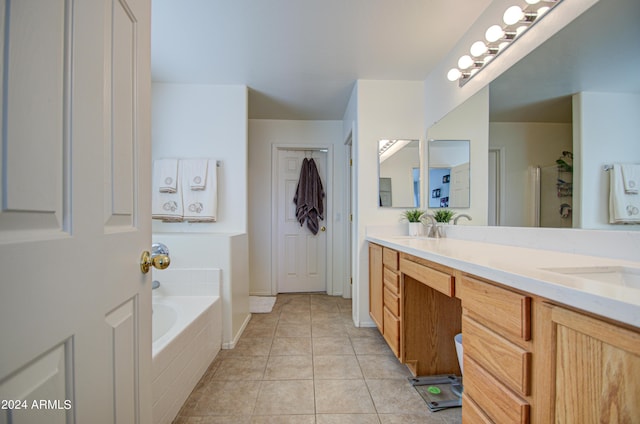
(187, 336)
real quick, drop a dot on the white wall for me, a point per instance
(470, 121)
(383, 110)
(263, 135)
(191, 121)
(606, 131)
(526, 144)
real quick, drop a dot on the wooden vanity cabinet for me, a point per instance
(590, 369)
(431, 317)
(384, 294)
(497, 340)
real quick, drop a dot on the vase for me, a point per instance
(415, 229)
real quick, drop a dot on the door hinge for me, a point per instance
(350, 217)
(350, 162)
(351, 281)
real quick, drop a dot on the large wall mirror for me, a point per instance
(531, 110)
(449, 183)
(399, 173)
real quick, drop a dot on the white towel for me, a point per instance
(194, 171)
(167, 206)
(623, 208)
(631, 178)
(201, 205)
(165, 173)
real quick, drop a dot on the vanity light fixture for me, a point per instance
(516, 19)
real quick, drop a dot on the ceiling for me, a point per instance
(599, 51)
(301, 58)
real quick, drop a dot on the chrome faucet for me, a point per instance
(433, 230)
(462, 215)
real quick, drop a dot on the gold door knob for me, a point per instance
(158, 261)
(323, 228)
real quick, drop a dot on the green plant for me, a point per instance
(443, 215)
(413, 215)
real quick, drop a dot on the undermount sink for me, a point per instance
(618, 275)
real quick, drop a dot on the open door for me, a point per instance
(75, 309)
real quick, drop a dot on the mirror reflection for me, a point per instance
(399, 173)
(448, 174)
(573, 99)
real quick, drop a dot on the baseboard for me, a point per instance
(232, 344)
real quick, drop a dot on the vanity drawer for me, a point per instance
(504, 310)
(392, 302)
(499, 403)
(392, 331)
(390, 258)
(391, 280)
(509, 363)
(438, 280)
(471, 412)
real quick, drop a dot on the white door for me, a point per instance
(75, 211)
(301, 255)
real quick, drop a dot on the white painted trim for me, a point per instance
(328, 215)
(232, 344)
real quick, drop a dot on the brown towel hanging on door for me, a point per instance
(309, 196)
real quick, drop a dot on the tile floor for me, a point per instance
(306, 363)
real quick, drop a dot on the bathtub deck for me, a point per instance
(305, 362)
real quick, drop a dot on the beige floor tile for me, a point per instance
(332, 346)
(370, 346)
(451, 416)
(362, 331)
(336, 367)
(327, 329)
(241, 368)
(299, 367)
(411, 419)
(382, 366)
(291, 346)
(327, 308)
(285, 398)
(213, 420)
(295, 317)
(283, 419)
(343, 397)
(257, 346)
(321, 316)
(347, 419)
(293, 330)
(259, 331)
(227, 398)
(396, 397)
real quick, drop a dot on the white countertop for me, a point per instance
(524, 269)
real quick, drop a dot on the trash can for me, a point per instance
(458, 340)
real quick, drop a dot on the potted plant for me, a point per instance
(414, 216)
(443, 215)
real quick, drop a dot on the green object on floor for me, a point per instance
(434, 390)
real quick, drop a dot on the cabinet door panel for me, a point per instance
(392, 331)
(597, 369)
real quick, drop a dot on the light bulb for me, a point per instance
(488, 58)
(521, 29)
(532, 1)
(494, 33)
(454, 74)
(478, 48)
(543, 10)
(513, 15)
(465, 61)
(503, 45)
